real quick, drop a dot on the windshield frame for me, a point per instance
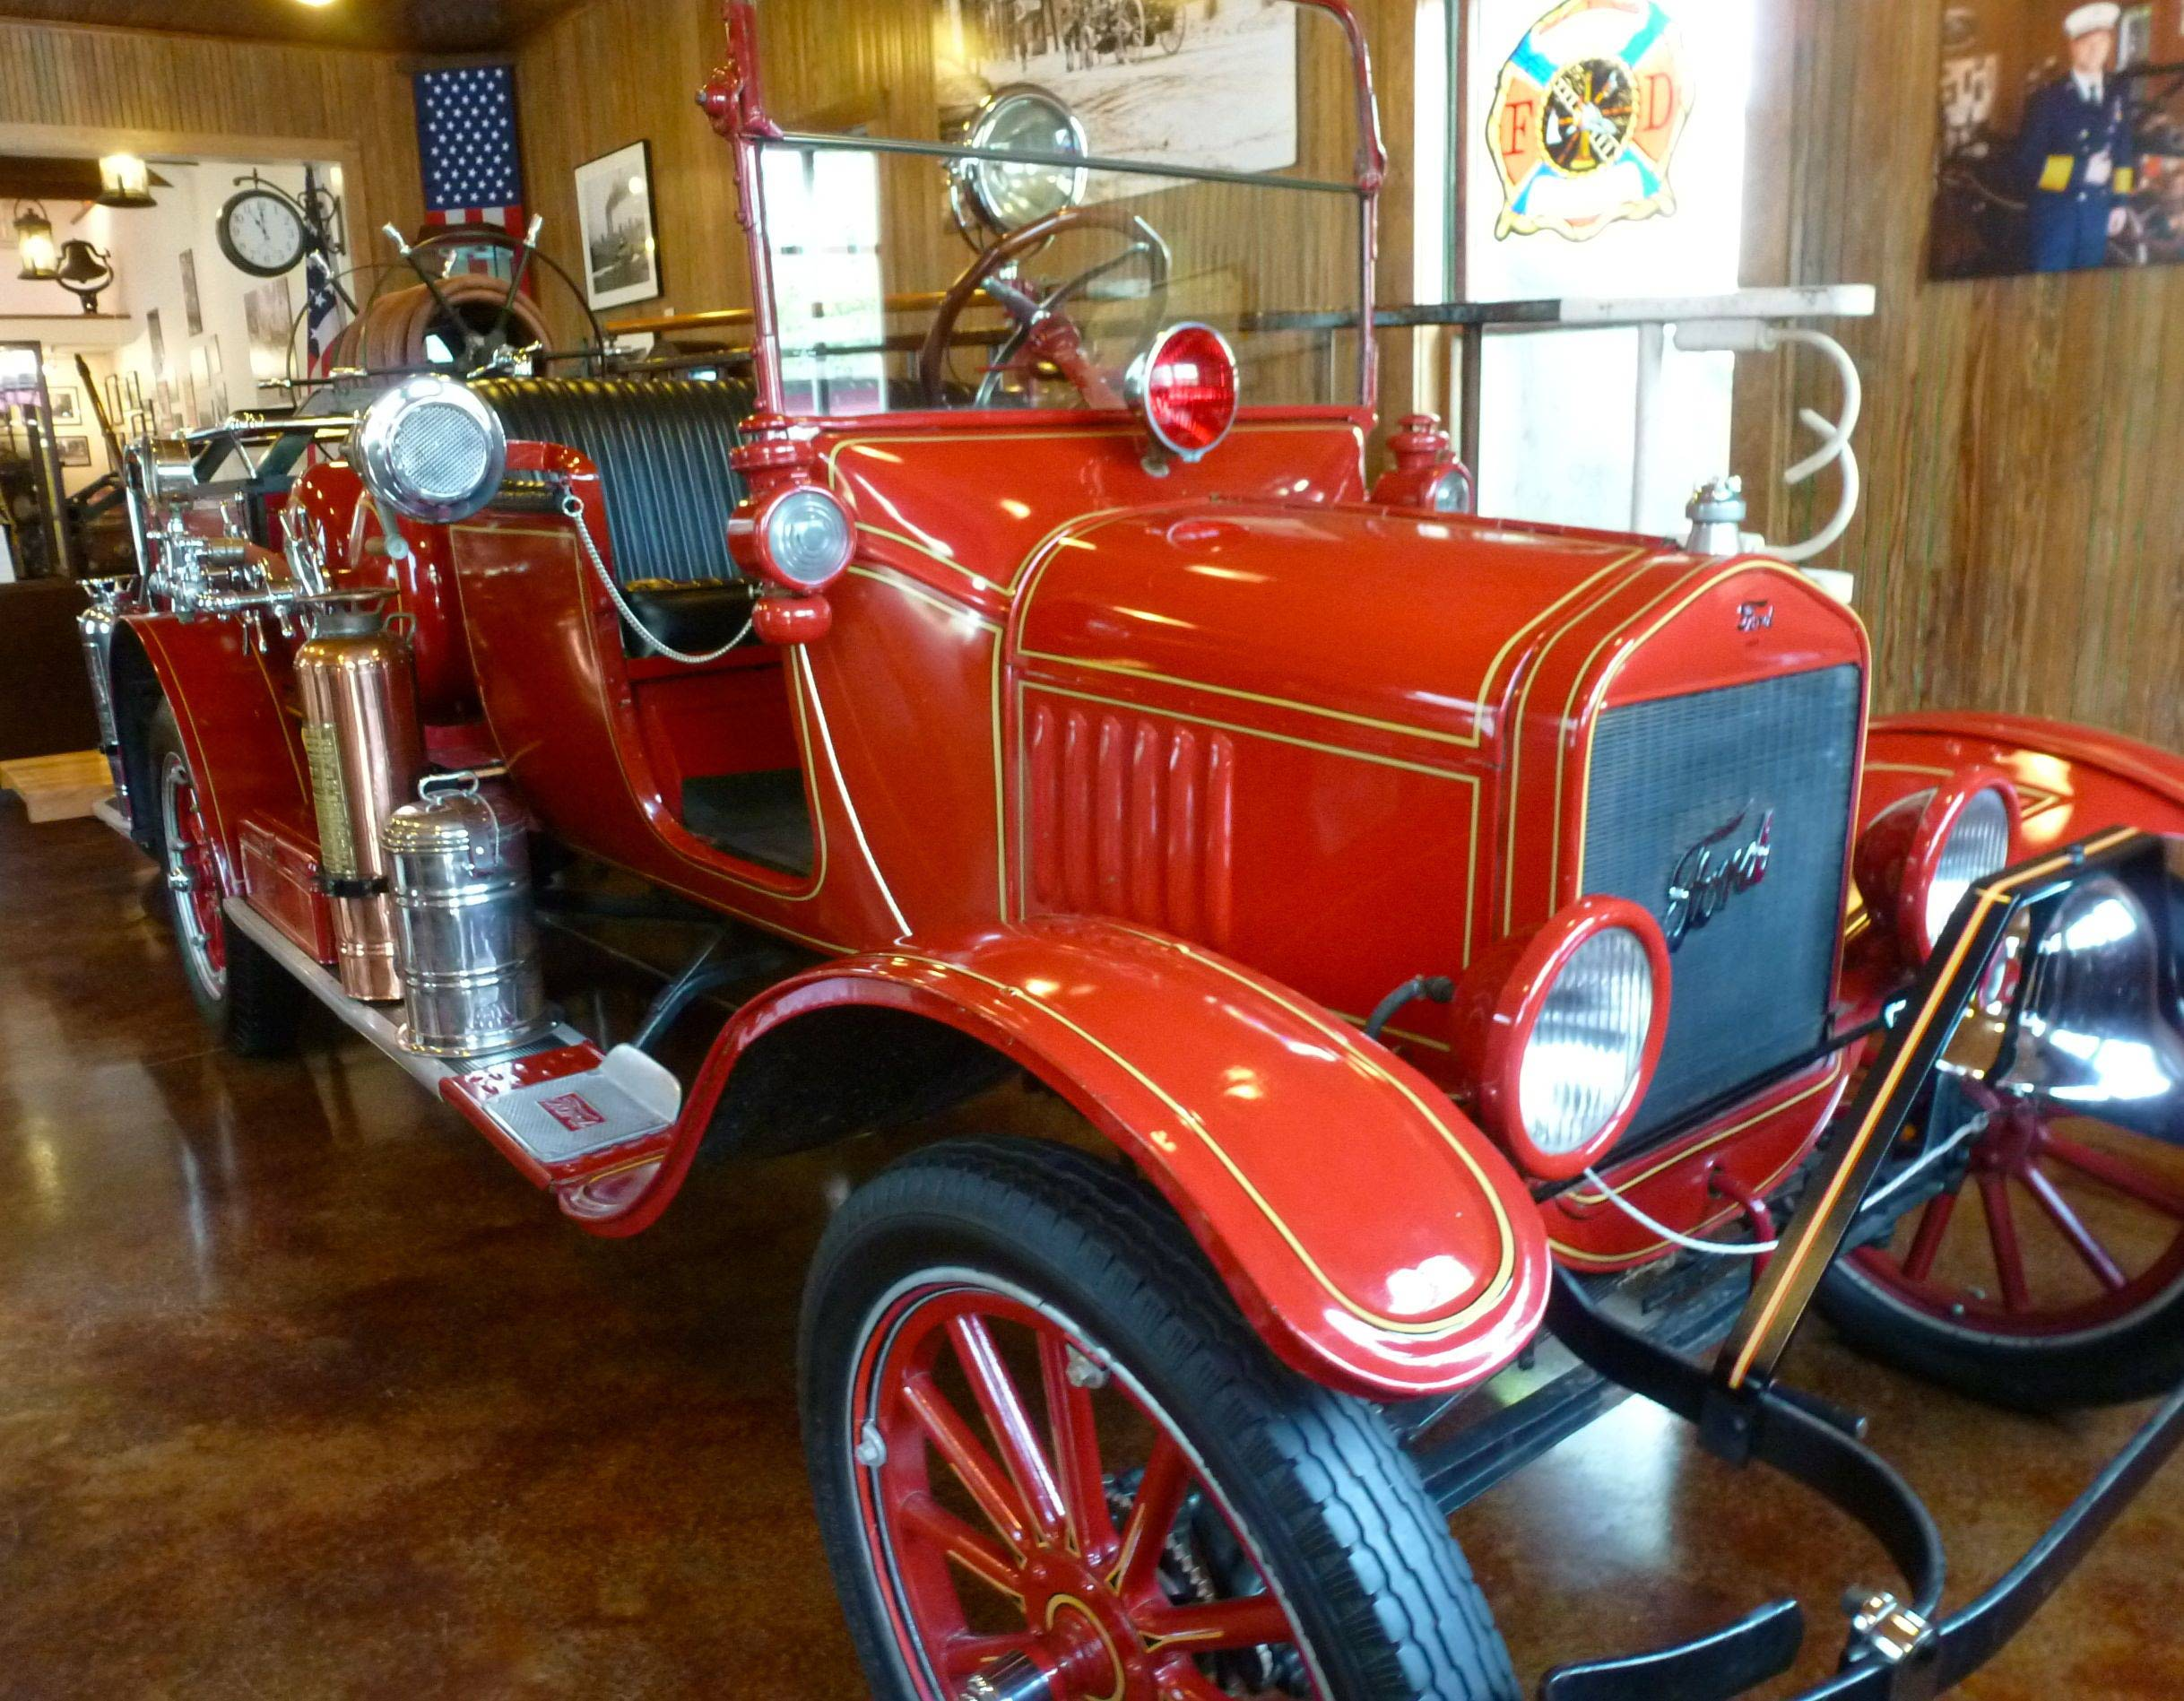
(733, 99)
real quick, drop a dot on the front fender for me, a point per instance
(2073, 780)
(1368, 1231)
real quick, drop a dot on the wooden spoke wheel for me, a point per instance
(240, 991)
(2048, 1271)
(1053, 1463)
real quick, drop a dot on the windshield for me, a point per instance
(1004, 215)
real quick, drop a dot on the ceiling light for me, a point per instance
(124, 180)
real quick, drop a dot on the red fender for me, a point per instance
(1370, 1233)
(243, 744)
(2072, 780)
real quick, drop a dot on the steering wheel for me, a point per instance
(1041, 325)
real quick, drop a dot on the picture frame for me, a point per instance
(67, 404)
(73, 450)
(192, 308)
(617, 227)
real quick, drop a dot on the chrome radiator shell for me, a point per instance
(471, 984)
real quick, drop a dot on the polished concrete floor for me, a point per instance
(304, 1393)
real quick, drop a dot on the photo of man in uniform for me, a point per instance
(2075, 152)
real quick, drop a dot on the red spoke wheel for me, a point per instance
(1052, 1461)
(2050, 1273)
(240, 991)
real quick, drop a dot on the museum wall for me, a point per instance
(2019, 545)
(614, 72)
(249, 100)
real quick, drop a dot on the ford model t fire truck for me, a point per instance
(1461, 940)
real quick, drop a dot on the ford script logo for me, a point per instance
(1726, 862)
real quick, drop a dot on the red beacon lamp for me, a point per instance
(1426, 473)
(1184, 387)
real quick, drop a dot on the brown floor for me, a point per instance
(304, 1393)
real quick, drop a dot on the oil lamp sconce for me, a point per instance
(34, 243)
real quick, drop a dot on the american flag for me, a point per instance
(324, 313)
(466, 140)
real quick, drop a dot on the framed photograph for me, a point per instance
(73, 451)
(67, 404)
(614, 217)
(269, 315)
(193, 310)
(2062, 141)
(159, 341)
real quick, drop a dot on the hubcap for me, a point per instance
(2077, 1228)
(1024, 1509)
(192, 876)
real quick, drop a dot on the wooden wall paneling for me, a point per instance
(2021, 539)
(65, 87)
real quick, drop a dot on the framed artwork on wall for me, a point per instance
(193, 310)
(67, 404)
(73, 451)
(614, 217)
(2062, 139)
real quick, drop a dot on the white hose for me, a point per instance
(1760, 1248)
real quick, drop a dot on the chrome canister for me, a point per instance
(361, 737)
(470, 949)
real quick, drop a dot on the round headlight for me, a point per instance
(1561, 1031)
(1044, 137)
(431, 450)
(804, 539)
(1451, 492)
(1918, 857)
(1975, 845)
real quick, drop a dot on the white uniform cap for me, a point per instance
(2085, 20)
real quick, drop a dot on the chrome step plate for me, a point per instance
(571, 1116)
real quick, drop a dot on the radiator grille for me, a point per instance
(1751, 988)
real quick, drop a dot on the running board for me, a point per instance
(561, 1111)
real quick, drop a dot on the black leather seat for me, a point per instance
(661, 447)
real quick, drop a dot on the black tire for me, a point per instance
(2139, 1357)
(248, 1002)
(1347, 1538)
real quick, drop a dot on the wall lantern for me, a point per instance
(84, 270)
(34, 243)
(124, 180)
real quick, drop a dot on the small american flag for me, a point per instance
(466, 141)
(322, 313)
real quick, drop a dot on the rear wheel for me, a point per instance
(240, 991)
(1048, 1452)
(2047, 1273)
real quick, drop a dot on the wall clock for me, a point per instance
(263, 233)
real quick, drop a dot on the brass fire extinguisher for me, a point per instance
(357, 683)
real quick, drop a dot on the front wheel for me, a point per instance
(1051, 1460)
(241, 993)
(2047, 1273)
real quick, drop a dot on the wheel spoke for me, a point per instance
(2002, 1237)
(1009, 1424)
(1248, 1621)
(971, 1462)
(1181, 1680)
(1933, 1226)
(2083, 1240)
(1160, 1498)
(2110, 1171)
(1083, 1478)
(963, 1656)
(927, 1517)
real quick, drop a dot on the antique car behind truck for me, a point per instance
(1478, 944)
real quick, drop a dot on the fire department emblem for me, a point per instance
(1586, 118)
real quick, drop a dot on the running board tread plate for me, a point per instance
(564, 1116)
